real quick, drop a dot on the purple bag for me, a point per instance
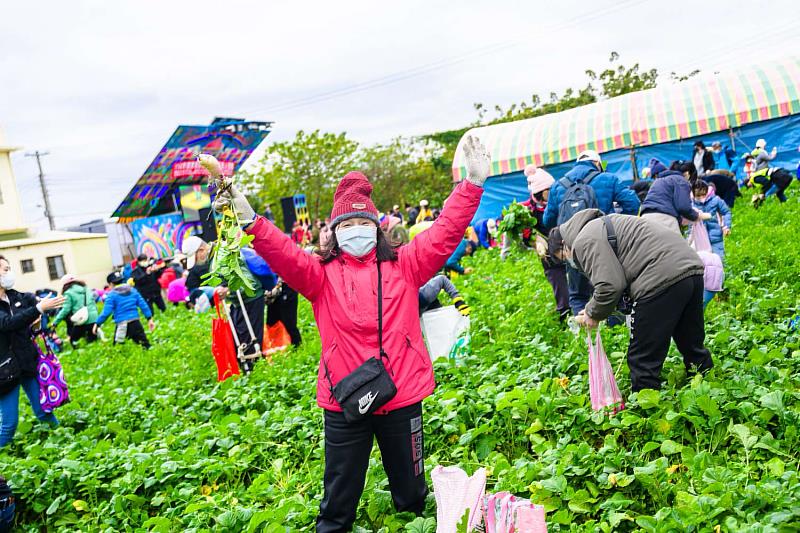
(53, 391)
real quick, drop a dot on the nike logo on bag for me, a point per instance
(365, 402)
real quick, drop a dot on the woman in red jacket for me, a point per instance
(342, 286)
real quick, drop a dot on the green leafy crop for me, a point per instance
(150, 440)
(516, 217)
(227, 264)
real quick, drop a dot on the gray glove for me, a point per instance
(229, 196)
(477, 161)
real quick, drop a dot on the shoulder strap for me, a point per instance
(380, 313)
(611, 234)
(590, 176)
(565, 183)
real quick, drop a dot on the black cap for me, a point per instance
(115, 278)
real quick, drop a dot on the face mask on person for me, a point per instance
(357, 240)
(7, 280)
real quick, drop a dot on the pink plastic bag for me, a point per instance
(505, 513)
(456, 493)
(603, 390)
(714, 273)
(699, 237)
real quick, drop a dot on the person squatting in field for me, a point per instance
(342, 286)
(663, 275)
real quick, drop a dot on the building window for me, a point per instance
(26, 265)
(55, 266)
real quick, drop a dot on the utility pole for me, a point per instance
(47, 211)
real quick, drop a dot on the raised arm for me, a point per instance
(300, 270)
(428, 252)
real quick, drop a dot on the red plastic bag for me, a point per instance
(603, 390)
(276, 338)
(222, 345)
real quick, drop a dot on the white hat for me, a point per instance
(67, 278)
(589, 155)
(423, 203)
(761, 143)
(189, 247)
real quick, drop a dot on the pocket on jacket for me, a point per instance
(421, 357)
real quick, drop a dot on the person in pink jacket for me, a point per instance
(341, 285)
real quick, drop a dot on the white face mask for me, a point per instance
(7, 280)
(357, 240)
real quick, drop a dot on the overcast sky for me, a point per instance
(101, 85)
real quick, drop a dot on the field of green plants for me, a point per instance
(151, 441)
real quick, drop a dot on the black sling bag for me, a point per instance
(369, 387)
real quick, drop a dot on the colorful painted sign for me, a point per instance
(161, 236)
(230, 140)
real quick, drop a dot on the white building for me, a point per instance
(39, 259)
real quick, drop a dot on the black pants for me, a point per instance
(347, 451)
(557, 277)
(155, 300)
(135, 332)
(255, 312)
(676, 313)
(76, 333)
(284, 308)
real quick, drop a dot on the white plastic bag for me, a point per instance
(442, 328)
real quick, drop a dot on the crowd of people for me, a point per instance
(609, 251)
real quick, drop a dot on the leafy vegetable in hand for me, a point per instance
(516, 218)
(227, 264)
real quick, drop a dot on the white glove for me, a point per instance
(477, 161)
(229, 196)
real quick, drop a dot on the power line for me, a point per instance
(437, 65)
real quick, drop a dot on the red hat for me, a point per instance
(352, 199)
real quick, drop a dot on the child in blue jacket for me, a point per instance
(124, 303)
(719, 225)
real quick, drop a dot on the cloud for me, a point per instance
(101, 85)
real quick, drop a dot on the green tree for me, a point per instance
(614, 81)
(405, 171)
(623, 80)
(310, 164)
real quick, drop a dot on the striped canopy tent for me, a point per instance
(701, 105)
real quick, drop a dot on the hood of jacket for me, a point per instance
(123, 290)
(581, 170)
(570, 230)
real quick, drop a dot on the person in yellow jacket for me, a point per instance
(424, 212)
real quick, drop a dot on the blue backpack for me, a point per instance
(578, 195)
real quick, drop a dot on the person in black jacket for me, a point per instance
(18, 355)
(702, 159)
(145, 277)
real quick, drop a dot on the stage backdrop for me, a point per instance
(161, 236)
